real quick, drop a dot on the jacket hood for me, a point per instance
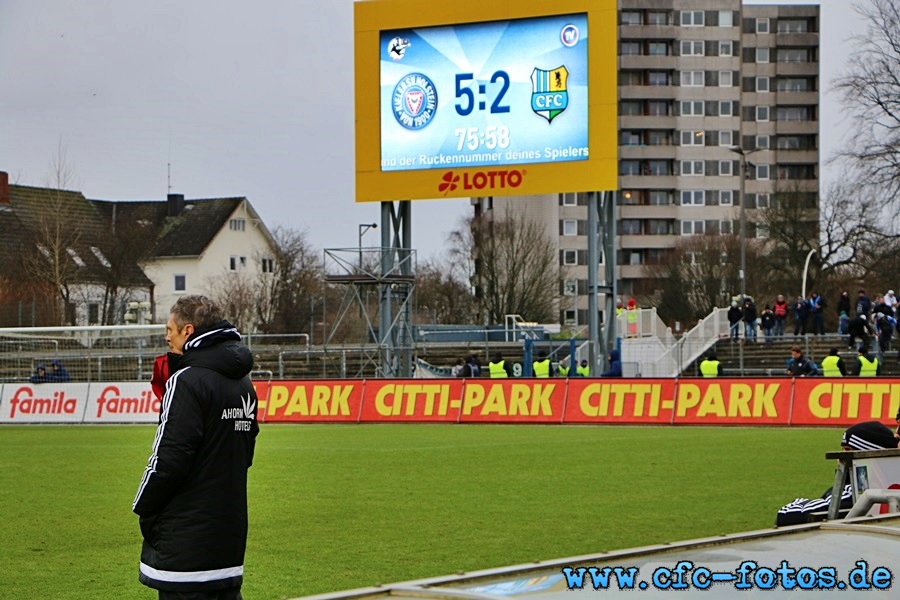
(218, 348)
(613, 355)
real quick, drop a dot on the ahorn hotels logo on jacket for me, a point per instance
(243, 416)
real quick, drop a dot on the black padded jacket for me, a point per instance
(192, 499)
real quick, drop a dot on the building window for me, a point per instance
(570, 287)
(630, 107)
(658, 108)
(75, 258)
(658, 227)
(657, 78)
(792, 84)
(570, 257)
(762, 231)
(658, 198)
(793, 113)
(569, 316)
(659, 137)
(180, 283)
(692, 198)
(658, 167)
(726, 18)
(629, 167)
(762, 25)
(692, 167)
(570, 227)
(726, 78)
(631, 138)
(762, 142)
(93, 313)
(692, 18)
(762, 113)
(726, 138)
(762, 55)
(237, 263)
(691, 108)
(762, 171)
(630, 49)
(692, 137)
(725, 167)
(726, 48)
(631, 18)
(692, 227)
(762, 84)
(267, 265)
(691, 48)
(725, 227)
(569, 199)
(692, 79)
(658, 49)
(762, 201)
(792, 55)
(631, 226)
(100, 256)
(726, 197)
(655, 17)
(793, 26)
(237, 224)
(726, 108)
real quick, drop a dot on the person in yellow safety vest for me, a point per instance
(499, 368)
(833, 365)
(541, 367)
(620, 308)
(868, 365)
(563, 368)
(711, 367)
(631, 319)
(583, 369)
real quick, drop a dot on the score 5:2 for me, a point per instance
(467, 95)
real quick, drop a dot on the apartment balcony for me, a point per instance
(660, 63)
(648, 152)
(631, 272)
(797, 68)
(647, 241)
(647, 122)
(648, 32)
(794, 98)
(796, 157)
(646, 92)
(629, 182)
(798, 127)
(645, 211)
(793, 39)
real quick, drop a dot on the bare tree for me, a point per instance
(290, 289)
(442, 296)
(54, 232)
(236, 292)
(870, 93)
(699, 274)
(512, 263)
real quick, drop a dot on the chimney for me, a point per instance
(175, 203)
(4, 187)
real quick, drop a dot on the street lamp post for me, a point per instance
(363, 228)
(743, 273)
(805, 270)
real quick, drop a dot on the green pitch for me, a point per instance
(335, 507)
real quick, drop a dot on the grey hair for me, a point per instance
(199, 311)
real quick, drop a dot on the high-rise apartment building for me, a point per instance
(698, 79)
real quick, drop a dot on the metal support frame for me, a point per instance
(395, 334)
(601, 225)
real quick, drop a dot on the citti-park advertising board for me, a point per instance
(484, 98)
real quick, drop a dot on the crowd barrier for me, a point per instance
(684, 401)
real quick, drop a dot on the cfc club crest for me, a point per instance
(414, 101)
(549, 95)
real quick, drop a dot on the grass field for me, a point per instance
(341, 506)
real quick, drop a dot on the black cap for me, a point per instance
(870, 435)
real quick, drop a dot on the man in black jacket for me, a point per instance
(192, 500)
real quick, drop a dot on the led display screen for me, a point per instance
(484, 94)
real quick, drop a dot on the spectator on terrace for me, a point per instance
(58, 372)
(40, 375)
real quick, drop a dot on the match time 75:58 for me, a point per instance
(473, 138)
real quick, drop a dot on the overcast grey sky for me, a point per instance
(242, 100)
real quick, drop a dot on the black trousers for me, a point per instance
(228, 594)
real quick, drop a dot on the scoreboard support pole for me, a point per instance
(601, 226)
(395, 333)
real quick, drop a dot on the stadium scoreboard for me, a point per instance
(484, 98)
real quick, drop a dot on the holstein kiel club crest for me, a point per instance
(549, 95)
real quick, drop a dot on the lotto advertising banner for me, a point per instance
(763, 401)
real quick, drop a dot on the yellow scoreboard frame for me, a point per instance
(598, 171)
